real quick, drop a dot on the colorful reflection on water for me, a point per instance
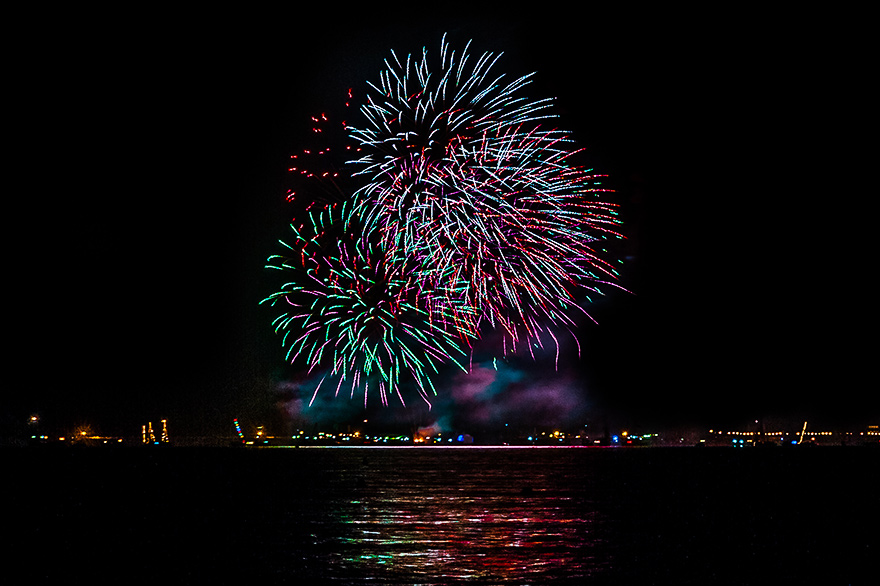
(463, 517)
(464, 537)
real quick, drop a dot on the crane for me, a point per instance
(803, 431)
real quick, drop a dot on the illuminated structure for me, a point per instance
(238, 430)
(148, 436)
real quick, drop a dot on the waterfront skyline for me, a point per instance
(162, 173)
(274, 431)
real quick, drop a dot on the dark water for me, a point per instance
(444, 516)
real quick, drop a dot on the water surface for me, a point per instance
(447, 515)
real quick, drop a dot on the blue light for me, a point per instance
(461, 438)
(614, 438)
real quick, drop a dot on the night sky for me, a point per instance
(152, 162)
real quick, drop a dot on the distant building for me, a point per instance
(148, 436)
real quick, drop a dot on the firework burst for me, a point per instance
(415, 110)
(464, 213)
(355, 311)
(462, 177)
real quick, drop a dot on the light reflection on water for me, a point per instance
(462, 537)
(451, 516)
(463, 515)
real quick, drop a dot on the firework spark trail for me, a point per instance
(320, 170)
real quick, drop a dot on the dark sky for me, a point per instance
(153, 157)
